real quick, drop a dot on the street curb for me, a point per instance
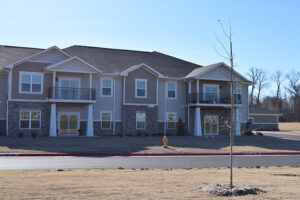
(146, 154)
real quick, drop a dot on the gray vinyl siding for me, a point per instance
(30, 67)
(140, 73)
(3, 95)
(264, 119)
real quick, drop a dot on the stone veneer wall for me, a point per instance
(2, 127)
(129, 120)
(98, 131)
(14, 116)
(170, 131)
(223, 114)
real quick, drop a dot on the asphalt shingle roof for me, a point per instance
(117, 60)
(9, 54)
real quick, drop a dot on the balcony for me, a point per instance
(214, 98)
(65, 94)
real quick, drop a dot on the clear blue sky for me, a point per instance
(266, 32)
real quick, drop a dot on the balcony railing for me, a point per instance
(65, 93)
(214, 98)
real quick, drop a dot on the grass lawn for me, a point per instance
(289, 126)
(278, 182)
(115, 144)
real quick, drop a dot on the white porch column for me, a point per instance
(197, 90)
(197, 129)
(53, 128)
(53, 85)
(237, 122)
(90, 122)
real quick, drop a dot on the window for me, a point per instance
(140, 120)
(31, 82)
(105, 119)
(211, 125)
(171, 87)
(106, 87)
(238, 94)
(69, 88)
(211, 93)
(30, 119)
(140, 88)
(171, 120)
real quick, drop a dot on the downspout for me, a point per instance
(165, 108)
(114, 107)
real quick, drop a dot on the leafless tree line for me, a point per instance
(285, 100)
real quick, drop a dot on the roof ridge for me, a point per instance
(176, 58)
(108, 48)
(11, 46)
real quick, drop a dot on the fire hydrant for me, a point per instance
(165, 141)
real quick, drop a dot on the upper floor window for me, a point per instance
(171, 86)
(30, 119)
(105, 117)
(141, 88)
(211, 93)
(238, 94)
(106, 87)
(31, 82)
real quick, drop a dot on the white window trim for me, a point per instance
(175, 121)
(136, 121)
(111, 87)
(240, 86)
(167, 89)
(30, 111)
(217, 124)
(106, 111)
(31, 73)
(144, 80)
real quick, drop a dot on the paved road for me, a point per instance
(23, 163)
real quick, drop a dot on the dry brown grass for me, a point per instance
(116, 144)
(289, 126)
(278, 182)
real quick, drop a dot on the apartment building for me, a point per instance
(92, 91)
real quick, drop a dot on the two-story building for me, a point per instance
(93, 91)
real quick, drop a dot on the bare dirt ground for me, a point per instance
(115, 144)
(278, 182)
(289, 126)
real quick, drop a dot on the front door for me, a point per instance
(68, 124)
(211, 125)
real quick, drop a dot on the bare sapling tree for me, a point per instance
(229, 57)
(252, 75)
(262, 83)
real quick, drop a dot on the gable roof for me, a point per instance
(10, 54)
(117, 60)
(19, 61)
(133, 68)
(74, 58)
(200, 71)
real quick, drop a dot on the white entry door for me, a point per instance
(68, 124)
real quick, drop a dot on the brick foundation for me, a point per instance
(2, 127)
(129, 120)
